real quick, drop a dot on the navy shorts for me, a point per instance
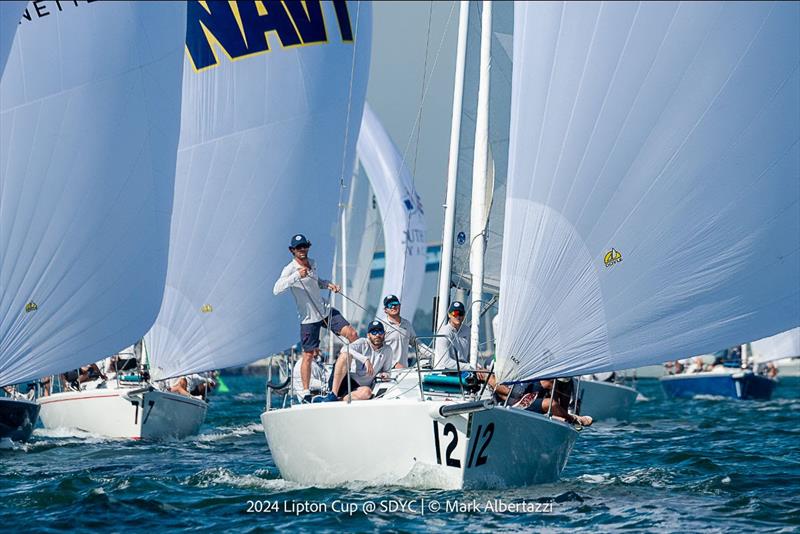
(309, 332)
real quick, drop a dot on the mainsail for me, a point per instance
(777, 347)
(89, 124)
(652, 201)
(10, 15)
(499, 120)
(401, 213)
(272, 102)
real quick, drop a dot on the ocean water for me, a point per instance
(705, 464)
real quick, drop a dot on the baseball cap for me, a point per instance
(299, 240)
(390, 299)
(456, 306)
(375, 326)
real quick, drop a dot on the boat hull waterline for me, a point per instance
(119, 413)
(17, 418)
(407, 442)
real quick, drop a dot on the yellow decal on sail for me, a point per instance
(31, 306)
(206, 308)
(612, 256)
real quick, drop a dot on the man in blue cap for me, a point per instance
(452, 342)
(300, 276)
(399, 331)
(368, 359)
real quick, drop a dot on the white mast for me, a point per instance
(452, 166)
(478, 208)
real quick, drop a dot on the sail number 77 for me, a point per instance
(482, 438)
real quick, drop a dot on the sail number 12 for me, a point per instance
(481, 439)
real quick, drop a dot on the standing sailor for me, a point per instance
(399, 332)
(300, 275)
(452, 341)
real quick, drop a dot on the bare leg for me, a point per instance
(362, 393)
(340, 370)
(305, 369)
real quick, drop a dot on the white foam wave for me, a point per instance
(230, 432)
(219, 476)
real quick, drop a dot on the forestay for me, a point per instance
(10, 15)
(401, 213)
(272, 103)
(497, 165)
(777, 347)
(652, 202)
(89, 124)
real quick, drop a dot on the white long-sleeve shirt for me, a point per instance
(454, 345)
(398, 337)
(362, 350)
(311, 307)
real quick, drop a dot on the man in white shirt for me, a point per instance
(399, 332)
(453, 345)
(368, 358)
(300, 276)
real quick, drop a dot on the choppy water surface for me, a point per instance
(715, 465)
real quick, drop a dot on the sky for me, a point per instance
(402, 37)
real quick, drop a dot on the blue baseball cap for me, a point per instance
(298, 240)
(456, 306)
(375, 326)
(390, 299)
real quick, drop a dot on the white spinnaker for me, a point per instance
(777, 347)
(10, 15)
(652, 202)
(401, 213)
(89, 124)
(264, 142)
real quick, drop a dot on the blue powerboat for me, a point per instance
(742, 384)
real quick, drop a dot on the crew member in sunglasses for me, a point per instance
(452, 341)
(369, 358)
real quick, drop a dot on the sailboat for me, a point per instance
(663, 133)
(86, 175)
(269, 126)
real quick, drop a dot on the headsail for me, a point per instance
(268, 129)
(401, 213)
(497, 165)
(777, 347)
(10, 15)
(652, 202)
(89, 123)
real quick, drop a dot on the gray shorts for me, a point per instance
(309, 332)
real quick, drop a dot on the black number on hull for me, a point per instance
(487, 436)
(449, 428)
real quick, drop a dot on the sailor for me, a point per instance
(300, 276)
(538, 398)
(452, 341)
(194, 385)
(368, 358)
(400, 333)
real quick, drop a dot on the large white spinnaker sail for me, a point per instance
(777, 347)
(10, 15)
(652, 201)
(401, 213)
(272, 102)
(89, 123)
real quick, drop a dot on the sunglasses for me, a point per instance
(457, 313)
(393, 305)
(377, 332)
(302, 247)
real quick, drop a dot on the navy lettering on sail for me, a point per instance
(240, 29)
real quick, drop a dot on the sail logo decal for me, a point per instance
(206, 308)
(461, 238)
(612, 257)
(239, 29)
(31, 306)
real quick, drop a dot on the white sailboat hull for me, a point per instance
(605, 401)
(124, 413)
(406, 441)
